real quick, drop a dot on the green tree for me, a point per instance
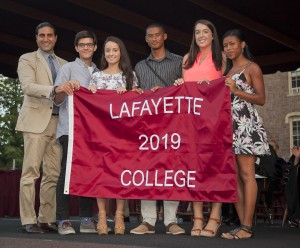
(11, 141)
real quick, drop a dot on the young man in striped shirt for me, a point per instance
(160, 69)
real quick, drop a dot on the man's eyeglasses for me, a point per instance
(89, 45)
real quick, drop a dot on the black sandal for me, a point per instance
(233, 233)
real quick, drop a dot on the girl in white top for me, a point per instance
(115, 74)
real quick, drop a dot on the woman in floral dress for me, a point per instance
(115, 74)
(245, 80)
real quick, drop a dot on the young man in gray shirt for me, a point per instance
(70, 77)
(160, 69)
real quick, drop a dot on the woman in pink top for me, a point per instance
(204, 62)
(203, 69)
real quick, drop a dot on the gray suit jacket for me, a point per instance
(36, 81)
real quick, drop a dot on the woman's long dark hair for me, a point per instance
(215, 47)
(237, 33)
(124, 64)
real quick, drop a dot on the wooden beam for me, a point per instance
(138, 21)
(31, 45)
(235, 17)
(18, 41)
(66, 24)
(267, 60)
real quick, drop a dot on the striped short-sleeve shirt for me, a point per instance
(169, 69)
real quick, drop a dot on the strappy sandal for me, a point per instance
(233, 233)
(211, 233)
(119, 223)
(102, 225)
(197, 231)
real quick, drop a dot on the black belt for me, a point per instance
(53, 114)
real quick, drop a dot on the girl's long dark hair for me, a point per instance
(124, 64)
(215, 47)
(237, 33)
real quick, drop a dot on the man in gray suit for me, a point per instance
(38, 120)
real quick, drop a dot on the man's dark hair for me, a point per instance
(85, 34)
(42, 25)
(156, 25)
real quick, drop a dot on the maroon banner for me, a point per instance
(173, 144)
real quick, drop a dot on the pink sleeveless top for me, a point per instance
(206, 70)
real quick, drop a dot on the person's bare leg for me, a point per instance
(246, 203)
(214, 221)
(247, 174)
(102, 224)
(198, 218)
(239, 205)
(119, 217)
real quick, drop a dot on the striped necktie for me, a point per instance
(52, 67)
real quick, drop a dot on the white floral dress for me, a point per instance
(105, 81)
(249, 135)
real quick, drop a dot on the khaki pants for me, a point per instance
(149, 212)
(40, 149)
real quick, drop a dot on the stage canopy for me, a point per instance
(272, 28)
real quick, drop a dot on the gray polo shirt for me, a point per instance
(75, 70)
(169, 69)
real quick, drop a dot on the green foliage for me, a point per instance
(11, 141)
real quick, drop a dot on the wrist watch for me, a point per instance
(53, 93)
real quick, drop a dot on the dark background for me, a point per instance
(271, 27)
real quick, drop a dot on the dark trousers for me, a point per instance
(292, 194)
(62, 200)
(272, 187)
